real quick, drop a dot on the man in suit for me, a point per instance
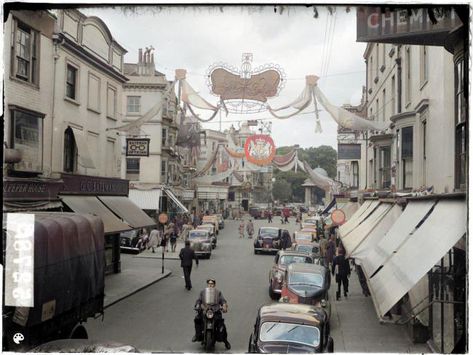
(187, 255)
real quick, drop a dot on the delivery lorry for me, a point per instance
(69, 281)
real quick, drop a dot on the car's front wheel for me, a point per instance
(272, 294)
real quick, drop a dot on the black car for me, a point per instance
(268, 239)
(290, 328)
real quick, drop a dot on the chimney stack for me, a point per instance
(140, 55)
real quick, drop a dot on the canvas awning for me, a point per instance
(145, 199)
(17, 206)
(423, 248)
(85, 159)
(349, 209)
(412, 215)
(128, 211)
(92, 205)
(330, 205)
(352, 240)
(377, 234)
(358, 217)
(176, 201)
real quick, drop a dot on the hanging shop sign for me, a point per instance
(260, 149)
(338, 217)
(137, 147)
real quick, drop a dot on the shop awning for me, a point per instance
(405, 224)
(349, 209)
(358, 217)
(352, 240)
(145, 199)
(128, 211)
(377, 234)
(440, 231)
(330, 205)
(85, 159)
(17, 206)
(92, 205)
(176, 201)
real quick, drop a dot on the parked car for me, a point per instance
(212, 219)
(221, 221)
(290, 328)
(307, 284)
(312, 250)
(201, 242)
(310, 222)
(312, 231)
(302, 238)
(84, 346)
(131, 242)
(256, 212)
(268, 240)
(277, 273)
(211, 229)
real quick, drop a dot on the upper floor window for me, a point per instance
(24, 52)
(111, 102)
(164, 171)
(164, 140)
(133, 104)
(71, 82)
(355, 174)
(461, 119)
(70, 152)
(385, 167)
(424, 65)
(408, 75)
(406, 156)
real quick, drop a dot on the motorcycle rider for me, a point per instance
(199, 321)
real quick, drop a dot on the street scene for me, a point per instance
(235, 179)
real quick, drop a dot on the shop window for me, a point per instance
(461, 121)
(70, 152)
(133, 104)
(406, 156)
(24, 51)
(27, 133)
(71, 82)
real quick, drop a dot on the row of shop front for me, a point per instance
(412, 252)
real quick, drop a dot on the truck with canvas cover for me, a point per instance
(69, 281)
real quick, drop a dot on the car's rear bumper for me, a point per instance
(268, 250)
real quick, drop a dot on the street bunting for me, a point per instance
(137, 147)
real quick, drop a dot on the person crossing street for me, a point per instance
(187, 255)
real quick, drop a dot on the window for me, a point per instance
(70, 152)
(355, 174)
(164, 171)
(164, 139)
(406, 156)
(424, 152)
(111, 102)
(71, 82)
(424, 74)
(133, 168)
(133, 104)
(24, 52)
(385, 167)
(461, 120)
(393, 95)
(94, 93)
(27, 137)
(408, 76)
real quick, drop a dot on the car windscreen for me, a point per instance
(310, 220)
(303, 237)
(198, 234)
(305, 278)
(304, 248)
(291, 259)
(268, 232)
(205, 228)
(289, 332)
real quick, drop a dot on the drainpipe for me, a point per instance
(399, 80)
(57, 41)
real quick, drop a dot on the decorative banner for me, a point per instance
(137, 147)
(338, 217)
(260, 149)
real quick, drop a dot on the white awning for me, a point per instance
(358, 217)
(353, 239)
(123, 207)
(145, 199)
(176, 201)
(420, 252)
(85, 159)
(349, 209)
(412, 215)
(377, 234)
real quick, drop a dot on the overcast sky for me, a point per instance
(194, 38)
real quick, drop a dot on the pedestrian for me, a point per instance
(341, 270)
(186, 255)
(286, 241)
(173, 240)
(331, 250)
(270, 217)
(143, 240)
(250, 229)
(153, 239)
(242, 228)
(323, 250)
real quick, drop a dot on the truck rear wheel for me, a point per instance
(79, 332)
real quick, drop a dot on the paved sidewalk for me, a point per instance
(158, 254)
(355, 326)
(136, 275)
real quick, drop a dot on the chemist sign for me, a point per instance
(137, 147)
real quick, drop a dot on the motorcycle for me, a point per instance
(212, 319)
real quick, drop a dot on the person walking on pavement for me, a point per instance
(186, 255)
(286, 241)
(250, 229)
(270, 217)
(173, 240)
(242, 228)
(331, 250)
(341, 270)
(153, 239)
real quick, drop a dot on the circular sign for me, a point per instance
(260, 149)
(338, 217)
(163, 218)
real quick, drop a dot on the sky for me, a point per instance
(194, 38)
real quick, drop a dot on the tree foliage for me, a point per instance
(282, 190)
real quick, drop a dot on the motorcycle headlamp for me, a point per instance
(209, 313)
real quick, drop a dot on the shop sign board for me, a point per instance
(137, 147)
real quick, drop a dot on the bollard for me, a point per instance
(162, 262)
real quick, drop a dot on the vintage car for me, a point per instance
(291, 328)
(131, 242)
(277, 273)
(307, 284)
(301, 237)
(268, 240)
(221, 221)
(211, 229)
(312, 249)
(256, 212)
(212, 219)
(310, 222)
(310, 230)
(201, 242)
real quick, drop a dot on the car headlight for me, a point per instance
(323, 303)
(209, 314)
